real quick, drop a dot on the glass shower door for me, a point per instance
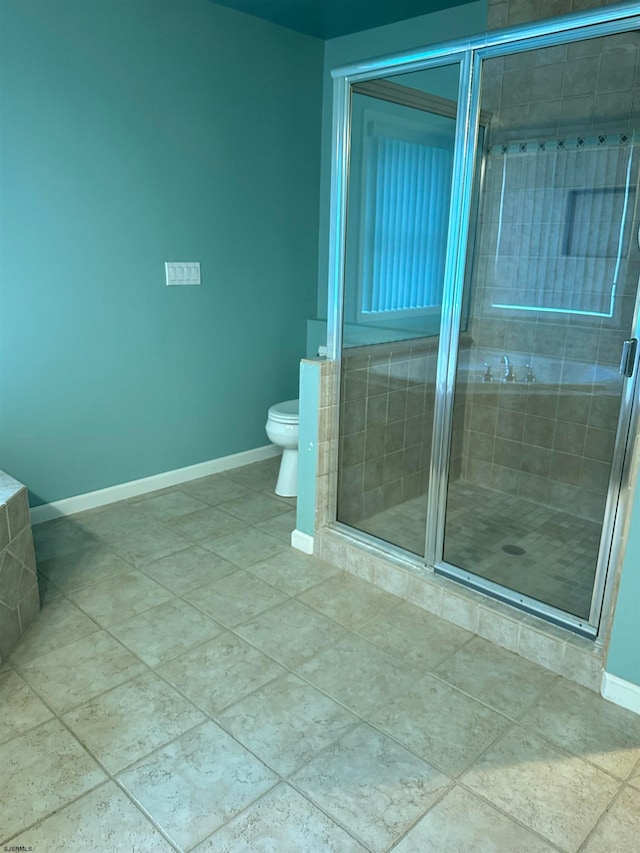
(530, 507)
(399, 195)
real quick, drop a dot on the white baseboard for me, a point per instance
(621, 692)
(134, 488)
(302, 541)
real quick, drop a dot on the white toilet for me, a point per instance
(282, 430)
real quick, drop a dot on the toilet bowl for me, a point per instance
(282, 430)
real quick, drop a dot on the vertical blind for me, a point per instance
(407, 196)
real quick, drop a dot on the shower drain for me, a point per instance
(515, 550)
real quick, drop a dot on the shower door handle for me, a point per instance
(628, 360)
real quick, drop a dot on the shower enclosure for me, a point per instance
(485, 305)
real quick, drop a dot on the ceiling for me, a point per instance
(328, 19)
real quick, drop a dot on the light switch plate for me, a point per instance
(182, 272)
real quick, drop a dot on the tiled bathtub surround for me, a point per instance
(545, 442)
(19, 596)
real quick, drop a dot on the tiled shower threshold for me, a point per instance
(576, 658)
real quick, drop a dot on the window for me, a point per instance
(401, 166)
(407, 196)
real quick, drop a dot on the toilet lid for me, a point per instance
(285, 413)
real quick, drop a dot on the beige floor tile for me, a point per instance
(62, 536)
(619, 829)
(281, 821)
(207, 523)
(105, 820)
(246, 547)
(77, 672)
(236, 598)
(83, 568)
(258, 476)
(188, 569)
(461, 823)
(108, 520)
(42, 771)
(139, 540)
(130, 721)
(294, 572)
(255, 507)
(214, 490)
(359, 675)
(286, 723)
(170, 505)
(292, 502)
(175, 785)
(500, 678)
(20, 708)
(348, 600)
(48, 590)
(193, 775)
(587, 725)
(542, 786)
(162, 633)
(292, 633)
(60, 622)
(220, 672)
(280, 526)
(115, 600)
(415, 635)
(371, 785)
(446, 728)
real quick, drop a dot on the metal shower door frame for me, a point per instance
(470, 54)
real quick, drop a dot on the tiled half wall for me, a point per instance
(19, 596)
(387, 398)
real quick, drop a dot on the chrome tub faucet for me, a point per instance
(509, 375)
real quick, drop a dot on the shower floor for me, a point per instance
(557, 565)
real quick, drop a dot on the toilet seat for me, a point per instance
(285, 413)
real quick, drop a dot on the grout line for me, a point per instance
(8, 838)
(602, 817)
(358, 718)
(421, 817)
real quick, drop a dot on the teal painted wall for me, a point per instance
(310, 372)
(394, 38)
(135, 133)
(623, 657)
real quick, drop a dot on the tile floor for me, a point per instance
(192, 683)
(560, 549)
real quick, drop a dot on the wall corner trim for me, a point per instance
(302, 541)
(621, 692)
(134, 488)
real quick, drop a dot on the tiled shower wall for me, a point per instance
(508, 13)
(548, 443)
(387, 397)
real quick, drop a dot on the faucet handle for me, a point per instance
(488, 376)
